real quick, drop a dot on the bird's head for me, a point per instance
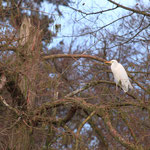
(111, 62)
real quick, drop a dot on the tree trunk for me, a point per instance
(30, 45)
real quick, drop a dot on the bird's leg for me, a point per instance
(116, 87)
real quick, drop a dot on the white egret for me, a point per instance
(120, 75)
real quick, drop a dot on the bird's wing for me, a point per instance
(119, 73)
(122, 73)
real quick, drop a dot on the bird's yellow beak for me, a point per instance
(108, 62)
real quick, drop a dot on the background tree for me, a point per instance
(63, 96)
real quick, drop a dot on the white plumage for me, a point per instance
(120, 75)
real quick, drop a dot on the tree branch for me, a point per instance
(88, 85)
(81, 103)
(130, 9)
(8, 128)
(131, 38)
(92, 13)
(116, 135)
(8, 106)
(46, 57)
(142, 87)
(81, 126)
(63, 121)
(98, 132)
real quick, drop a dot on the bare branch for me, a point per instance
(116, 135)
(91, 32)
(81, 126)
(93, 13)
(142, 87)
(130, 38)
(8, 106)
(81, 103)
(46, 57)
(8, 128)
(130, 9)
(88, 85)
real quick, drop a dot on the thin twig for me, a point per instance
(92, 13)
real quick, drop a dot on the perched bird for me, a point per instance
(120, 75)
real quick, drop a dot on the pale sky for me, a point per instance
(72, 22)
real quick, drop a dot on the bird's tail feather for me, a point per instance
(126, 85)
(130, 86)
